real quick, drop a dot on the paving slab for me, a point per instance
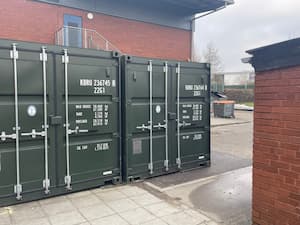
(41, 221)
(111, 195)
(68, 218)
(27, 211)
(131, 191)
(155, 222)
(162, 209)
(122, 205)
(86, 200)
(137, 216)
(4, 217)
(58, 207)
(145, 199)
(180, 219)
(110, 220)
(96, 211)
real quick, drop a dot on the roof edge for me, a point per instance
(275, 56)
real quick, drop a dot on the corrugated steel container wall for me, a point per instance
(86, 152)
(166, 116)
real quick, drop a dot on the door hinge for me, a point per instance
(14, 54)
(43, 57)
(150, 68)
(65, 57)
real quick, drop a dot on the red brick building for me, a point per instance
(158, 28)
(276, 162)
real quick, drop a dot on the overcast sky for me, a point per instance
(246, 25)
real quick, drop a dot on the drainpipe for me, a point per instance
(193, 25)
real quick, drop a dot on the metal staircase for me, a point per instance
(83, 38)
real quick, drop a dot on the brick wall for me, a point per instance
(276, 162)
(37, 22)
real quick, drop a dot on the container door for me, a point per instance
(147, 100)
(26, 144)
(89, 104)
(193, 114)
(72, 31)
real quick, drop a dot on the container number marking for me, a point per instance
(99, 85)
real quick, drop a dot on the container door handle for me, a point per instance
(159, 126)
(184, 124)
(5, 136)
(77, 131)
(178, 160)
(143, 127)
(14, 55)
(34, 134)
(166, 162)
(68, 179)
(150, 69)
(46, 181)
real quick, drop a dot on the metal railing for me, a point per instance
(83, 38)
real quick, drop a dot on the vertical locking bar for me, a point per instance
(166, 116)
(15, 55)
(44, 59)
(150, 69)
(65, 60)
(178, 161)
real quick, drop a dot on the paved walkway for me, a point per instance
(123, 205)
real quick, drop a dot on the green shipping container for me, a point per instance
(59, 120)
(166, 116)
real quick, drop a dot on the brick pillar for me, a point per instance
(276, 158)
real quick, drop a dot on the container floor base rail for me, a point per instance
(156, 173)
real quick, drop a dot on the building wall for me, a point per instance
(156, 11)
(276, 159)
(38, 22)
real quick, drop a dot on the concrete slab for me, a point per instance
(145, 199)
(58, 207)
(110, 195)
(122, 205)
(4, 217)
(162, 209)
(137, 216)
(155, 222)
(25, 212)
(96, 211)
(86, 200)
(130, 190)
(68, 218)
(42, 221)
(180, 219)
(110, 220)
